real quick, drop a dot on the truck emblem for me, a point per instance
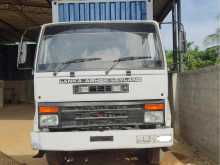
(101, 80)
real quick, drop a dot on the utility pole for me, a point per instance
(179, 18)
(175, 47)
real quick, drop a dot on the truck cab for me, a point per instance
(100, 85)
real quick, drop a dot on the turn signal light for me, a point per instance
(47, 109)
(154, 107)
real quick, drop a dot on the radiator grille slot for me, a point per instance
(102, 116)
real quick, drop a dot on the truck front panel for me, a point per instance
(140, 87)
(101, 85)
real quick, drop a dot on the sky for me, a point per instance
(199, 18)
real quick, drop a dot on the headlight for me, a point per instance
(49, 120)
(153, 117)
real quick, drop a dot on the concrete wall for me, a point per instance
(198, 109)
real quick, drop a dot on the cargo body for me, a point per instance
(100, 10)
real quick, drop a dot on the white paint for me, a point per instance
(49, 89)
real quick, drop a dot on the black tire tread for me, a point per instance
(55, 158)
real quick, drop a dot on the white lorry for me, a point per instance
(100, 85)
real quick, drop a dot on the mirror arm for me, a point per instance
(183, 31)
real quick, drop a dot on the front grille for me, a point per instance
(102, 116)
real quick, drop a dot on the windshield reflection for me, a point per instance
(106, 45)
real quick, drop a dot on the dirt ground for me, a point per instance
(16, 123)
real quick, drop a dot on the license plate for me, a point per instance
(101, 138)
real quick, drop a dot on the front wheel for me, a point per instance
(150, 156)
(153, 156)
(55, 158)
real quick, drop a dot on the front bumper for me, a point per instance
(121, 139)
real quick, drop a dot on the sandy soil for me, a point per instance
(189, 155)
(16, 123)
(15, 127)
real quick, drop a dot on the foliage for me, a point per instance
(195, 58)
(169, 55)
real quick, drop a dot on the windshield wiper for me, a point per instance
(80, 60)
(116, 62)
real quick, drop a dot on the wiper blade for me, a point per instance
(116, 62)
(80, 60)
(131, 58)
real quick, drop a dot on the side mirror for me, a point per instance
(183, 41)
(26, 55)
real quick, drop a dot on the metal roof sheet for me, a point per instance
(17, 15)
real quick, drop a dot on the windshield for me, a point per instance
(105, 45)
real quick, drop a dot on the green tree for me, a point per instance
(196, 58)
(169, 56)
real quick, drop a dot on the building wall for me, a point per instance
(18, 91)
(1, 94)
(198, 110)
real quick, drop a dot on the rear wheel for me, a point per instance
(55, 158)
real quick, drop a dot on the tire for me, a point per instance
(150, 156)
(153, 156)
(55, 158)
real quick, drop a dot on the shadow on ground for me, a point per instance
(103, 158)
(17, 112)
